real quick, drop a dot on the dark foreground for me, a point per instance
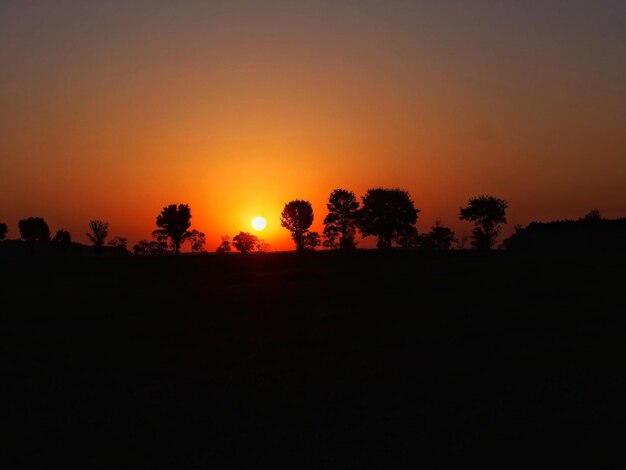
(370, 360)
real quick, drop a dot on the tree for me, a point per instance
(34, 229)
(3, 231)
(440, 238)
(264, 246)
(119, 243)
(592, 216)
(246, 242)
(330, 237)
(174, 221)
(342, 218)
(225, 245)
(388, 214)
(197, 240)
(488, 213)
(99, 232)
(150, 248)
(297, 217)
(142, 248)
(408, 238)
(311, 240)
(63, 238)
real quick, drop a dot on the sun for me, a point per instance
(259, 223)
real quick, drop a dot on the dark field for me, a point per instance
(365, 360)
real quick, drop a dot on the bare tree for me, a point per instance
(99, 231)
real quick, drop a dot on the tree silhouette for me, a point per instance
(197, 240)
(174, 221)
(264, 247)
(408, 238)
(311, 240)
(119, 243)
(488, 213)
(342, 218)
(330, 237)
(440, 238)
(34, 229)
(225, 245)
(3, 231)
(388, 214)
(246, 242)
(297, 217)
(592, 216)
(64, 239)
(99, 231)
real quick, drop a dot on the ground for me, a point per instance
(321, 360)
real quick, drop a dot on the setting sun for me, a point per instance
(259, 223)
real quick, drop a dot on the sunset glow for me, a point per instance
(112, 111)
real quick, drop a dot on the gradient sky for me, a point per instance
(112, 110)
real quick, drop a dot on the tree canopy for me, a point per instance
(341, 221)
(488, 213)
(246, 242)
(34, 229)
(297, 217)
(173, 222)
(389, 215)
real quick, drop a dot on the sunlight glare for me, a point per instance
(259, 223)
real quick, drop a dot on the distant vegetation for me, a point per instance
(388, 214)
(591, 232)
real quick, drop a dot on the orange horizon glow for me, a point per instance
(113, 112)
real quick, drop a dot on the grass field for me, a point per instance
(323, 360)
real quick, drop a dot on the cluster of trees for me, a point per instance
(174, 223)
(590, 232)
(389, 215)
(35, 230)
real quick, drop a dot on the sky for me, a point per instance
(112, 110)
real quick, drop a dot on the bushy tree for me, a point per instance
(225, 245)
(408, 238)
(341, 220)
(3, 231)
(197, 240)
(264, 247)
(331, 236)
(34, 229)
(440, 238)
(120, 243)
(99, 231)
(488, 213)
(297, 217)
(63, 238)
(246, 242)
(150, 248)
(173, 222)
(311, 240)
(592, 216)
(389, 215)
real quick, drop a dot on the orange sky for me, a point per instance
(113, 112)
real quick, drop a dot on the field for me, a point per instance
(323, 360)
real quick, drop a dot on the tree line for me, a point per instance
(389, 214)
